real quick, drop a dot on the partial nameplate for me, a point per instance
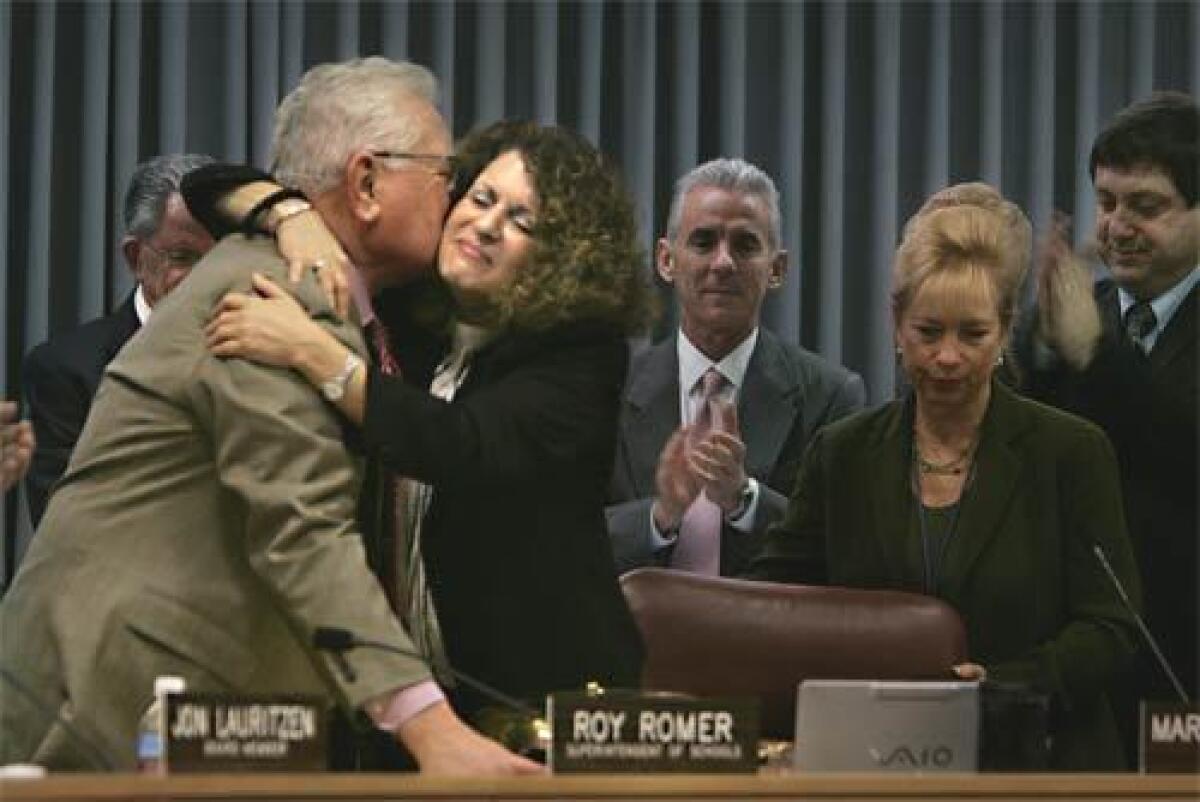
(646, 733)
(1170, 738)
(210, 732)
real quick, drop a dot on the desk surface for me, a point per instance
(843, 787)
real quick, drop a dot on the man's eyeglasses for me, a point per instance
(180, 257)
(443, 165)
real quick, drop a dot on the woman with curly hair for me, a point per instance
(511, 448)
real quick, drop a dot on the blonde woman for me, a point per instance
(966, 491)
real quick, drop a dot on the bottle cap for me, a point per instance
(169, 684)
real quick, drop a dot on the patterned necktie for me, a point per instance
(388, 364)
(408, 586)
(1140, 320)
(699, 546)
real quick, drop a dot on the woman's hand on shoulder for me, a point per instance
(268, 326)
(306, 243)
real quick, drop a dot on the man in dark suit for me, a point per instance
(161, 244)
(700, 496)
(1124, 353)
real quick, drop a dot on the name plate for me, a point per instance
(1170, 738)
(615, 733)
(210, 733)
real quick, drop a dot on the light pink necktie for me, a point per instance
(699, 546)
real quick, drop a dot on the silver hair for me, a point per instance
(735, 175)
(152, 184)
(339, 108)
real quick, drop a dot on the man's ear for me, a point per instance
(131, 247)
(664, 261)
(360, 187)
(779, 268)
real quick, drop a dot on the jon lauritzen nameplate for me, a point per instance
(208, 732)
(646, 733)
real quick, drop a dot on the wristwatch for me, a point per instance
(335, 388)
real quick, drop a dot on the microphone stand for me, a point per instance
(1141, 624)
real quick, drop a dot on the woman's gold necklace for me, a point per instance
(953, 467)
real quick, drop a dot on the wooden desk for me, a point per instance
(818, 788)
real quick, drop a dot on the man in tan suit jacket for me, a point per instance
(205, 526)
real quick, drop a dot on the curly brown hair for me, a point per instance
(586, 262)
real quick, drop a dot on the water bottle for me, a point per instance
(151, 734)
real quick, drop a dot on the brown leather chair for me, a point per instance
(712, 636)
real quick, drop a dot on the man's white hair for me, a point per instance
(339, 108)
(734, 175)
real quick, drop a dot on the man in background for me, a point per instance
(1123, 353)
(714, 419)
(162, 242)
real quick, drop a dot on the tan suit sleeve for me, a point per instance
(279, 452)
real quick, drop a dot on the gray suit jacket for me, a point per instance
(787, 395)
(205, 526)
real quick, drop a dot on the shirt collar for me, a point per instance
(361, 296)
(1166, 304)
(693, 363)
(469, 338)
(140, 306)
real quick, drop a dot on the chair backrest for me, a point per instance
(713, 636)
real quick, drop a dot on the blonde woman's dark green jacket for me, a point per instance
(1020, 565)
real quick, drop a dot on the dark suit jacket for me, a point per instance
(204, 528)
(515, 547)
(1148, 406)
(1020, 567)
(788, 394)
(60, 379)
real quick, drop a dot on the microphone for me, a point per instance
(337, 640)
(94, 753)
(1141, 624)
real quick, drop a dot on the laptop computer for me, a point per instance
(875, 725)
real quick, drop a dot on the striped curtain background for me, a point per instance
(858, 109)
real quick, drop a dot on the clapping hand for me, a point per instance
(16, 445)
(1068, 320)
(677, 486)
(718, 459)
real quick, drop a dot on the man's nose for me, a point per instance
(1120, 224)
(722, 258)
